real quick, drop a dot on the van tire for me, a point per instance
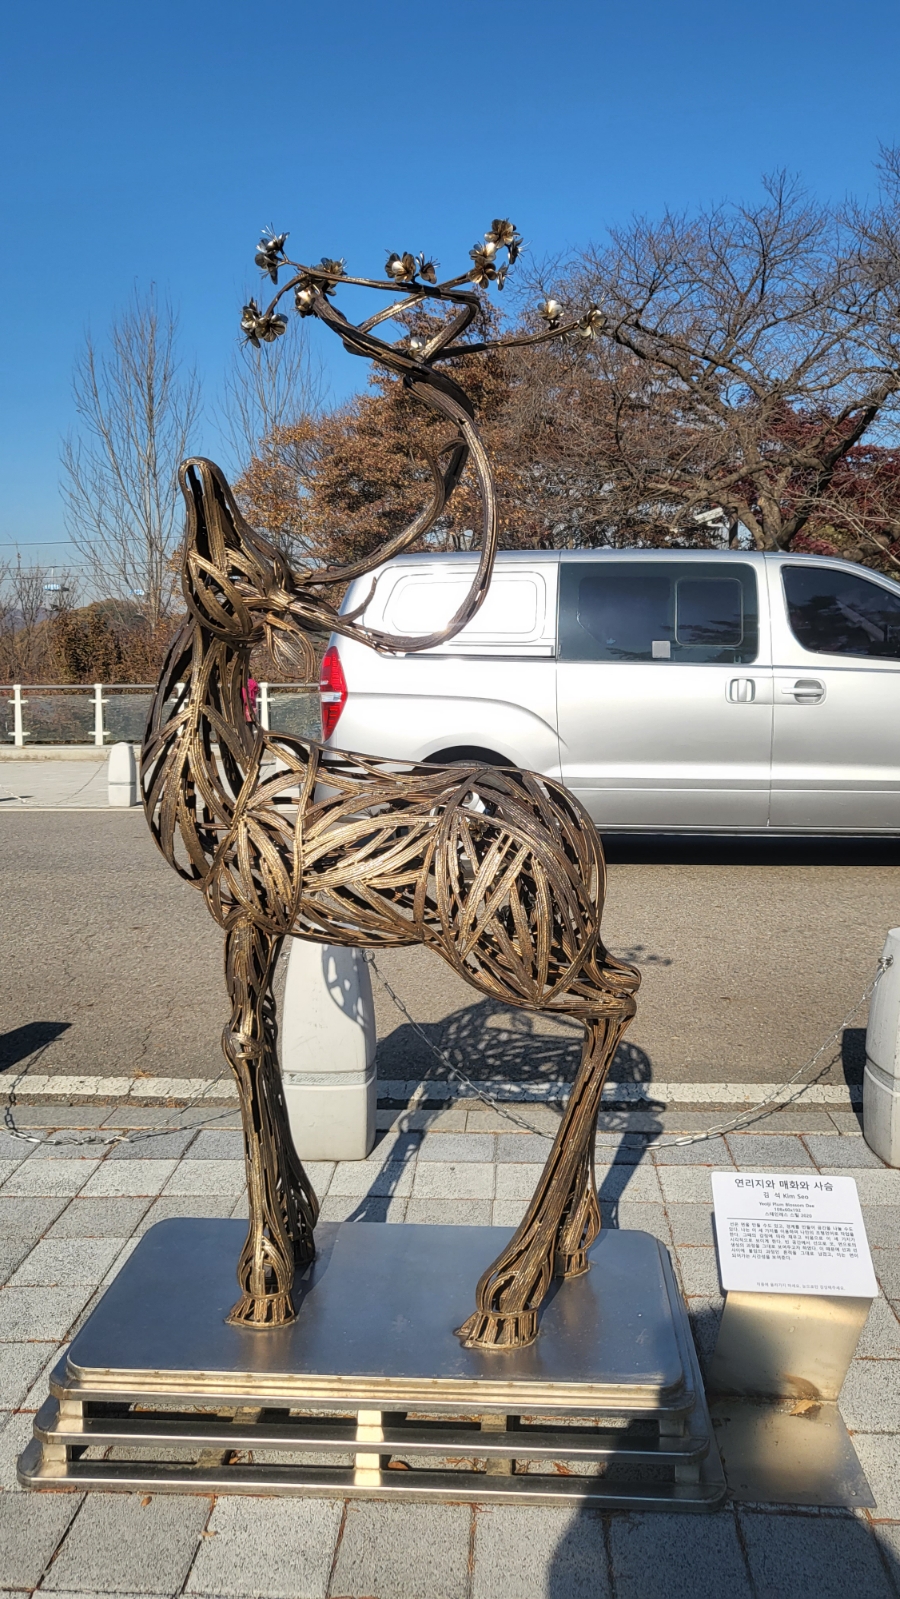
(463, 754)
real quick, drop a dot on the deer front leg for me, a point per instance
(283, 1206)
(563, 1218)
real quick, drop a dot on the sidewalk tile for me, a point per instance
(880, 1338)
(362, 1207)
(41, 1313)
(629, 1182)
(119, 1544)
(457, 1147)
(508, 1212)
(408, 1121)
(466, 1179)
(812, 1557)
(687, 1185)
(57, 1178)
(522, 1551)
(129, 1245)
(214, 1144)
(282, 1548)
(699, 1272)
(636, 1216)
(883, 1226)
(174, 1205)
(517, 1182)
(12, 1252)
(711, 1152)
(678, 1557)
(21, 1366)
(28, 1218)
(879, 1456)
(523, 1148)
(836, 1152)
(394, 1146)
(162, 1146)
(870, 1397)
(207, 1177)
(16, 1431)
(873, 1187)
(404, 1551)
(359, 1178)
(705, 1316)
(66, 1261)
(320, 1173)
(887, 1270)
(98, 1218)
(12, 1148)
(31, 1526)
(767, 1152)
(449, 1212)
(128, 1178)
(691, 1223)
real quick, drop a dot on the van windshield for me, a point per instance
(697, 611)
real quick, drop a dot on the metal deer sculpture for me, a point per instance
(497, 870)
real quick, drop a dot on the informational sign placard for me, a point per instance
(800, 1233)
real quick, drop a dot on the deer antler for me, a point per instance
(313, 289)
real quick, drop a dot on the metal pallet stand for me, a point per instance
(369, 1393)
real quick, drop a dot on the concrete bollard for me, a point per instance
(122, 775)
(881, 1082)
(328, 1052)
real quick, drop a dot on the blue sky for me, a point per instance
(152, 143)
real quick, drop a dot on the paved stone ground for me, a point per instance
(71, 1213)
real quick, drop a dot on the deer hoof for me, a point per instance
(267, 1310)
(484, 1330)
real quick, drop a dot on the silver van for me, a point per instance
(669, 690)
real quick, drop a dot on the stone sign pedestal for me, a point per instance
(782, 1356)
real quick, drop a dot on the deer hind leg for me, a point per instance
(283, 1206)
(563, 1218)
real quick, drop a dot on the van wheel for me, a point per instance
(464, 754)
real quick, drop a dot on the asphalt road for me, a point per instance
(751, 952)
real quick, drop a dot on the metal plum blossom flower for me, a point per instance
(497, 870)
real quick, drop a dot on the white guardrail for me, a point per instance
(102, 714)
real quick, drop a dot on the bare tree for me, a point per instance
(266, 389)
(747, 350)
(32, 599)
(136, 413)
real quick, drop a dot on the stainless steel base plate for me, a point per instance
(159, 1392)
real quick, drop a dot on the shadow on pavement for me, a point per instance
(492, 1040)
(30, 1039)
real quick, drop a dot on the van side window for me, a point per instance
(837, 613)
(692, 611)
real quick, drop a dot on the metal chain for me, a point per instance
(116, 1138)
(742, 1119)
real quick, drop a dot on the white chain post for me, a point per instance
(99, 702)
(264, 706)
(18, 725)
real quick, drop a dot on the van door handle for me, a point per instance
(802, 690)
(742, 691)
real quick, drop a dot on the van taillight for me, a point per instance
(332, 690)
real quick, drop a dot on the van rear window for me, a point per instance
(692, 611)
